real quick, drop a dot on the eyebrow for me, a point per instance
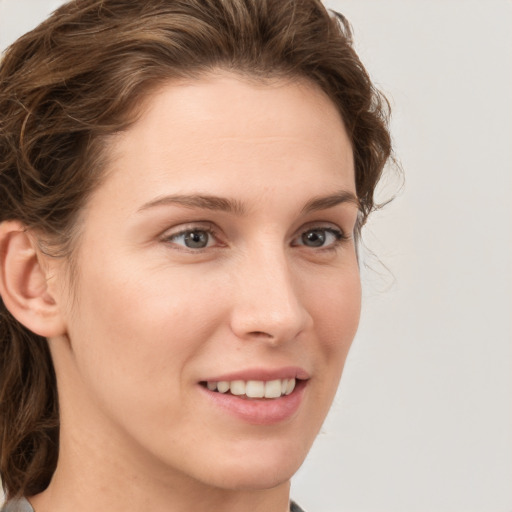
(326, 202)
(223, 204)
(204, 202)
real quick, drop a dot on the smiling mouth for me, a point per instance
(253, 388)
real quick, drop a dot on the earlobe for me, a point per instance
(24, 282)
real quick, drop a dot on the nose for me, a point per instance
(268, 302)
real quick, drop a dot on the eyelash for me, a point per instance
(192, 229)
(339, 237)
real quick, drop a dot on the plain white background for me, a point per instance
(423, 418)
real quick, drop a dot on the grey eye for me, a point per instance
(314, 237)
(196, 239)
(320, 237)
(192, 239)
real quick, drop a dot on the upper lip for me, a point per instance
(264, 374)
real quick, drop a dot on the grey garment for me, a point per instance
(294, 507)
(22, 505)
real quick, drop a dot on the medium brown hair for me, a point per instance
(76, 79)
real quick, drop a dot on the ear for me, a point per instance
(24, 282)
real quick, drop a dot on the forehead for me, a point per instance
(223, 96)
(226, 131)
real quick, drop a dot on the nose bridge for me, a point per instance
(268, 301)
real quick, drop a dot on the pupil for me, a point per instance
(315, 238)
(196, 239)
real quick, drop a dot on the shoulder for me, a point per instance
(18, 505)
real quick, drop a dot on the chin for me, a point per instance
(257, 469)
(255, 478)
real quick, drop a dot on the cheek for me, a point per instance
(136, 331)
(335, 310)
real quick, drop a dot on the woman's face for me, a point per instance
(217, 252)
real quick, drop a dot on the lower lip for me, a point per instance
(258, 411)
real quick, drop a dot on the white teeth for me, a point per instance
(237, 387)
(254, 388)
(290, 387)
(273, 389)
(223, 386)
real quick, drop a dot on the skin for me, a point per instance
(151, 318)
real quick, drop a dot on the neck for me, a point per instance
(85, 498)
(98, 470)
(101, 485)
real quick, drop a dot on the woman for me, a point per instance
(183, 185)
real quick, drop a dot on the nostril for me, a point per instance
(260, 334)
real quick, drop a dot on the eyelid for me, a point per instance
(339, 233)
(207, 226)
(169, 234)
(326, 225)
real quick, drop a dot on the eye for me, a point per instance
(320, 237)
(193, 238)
